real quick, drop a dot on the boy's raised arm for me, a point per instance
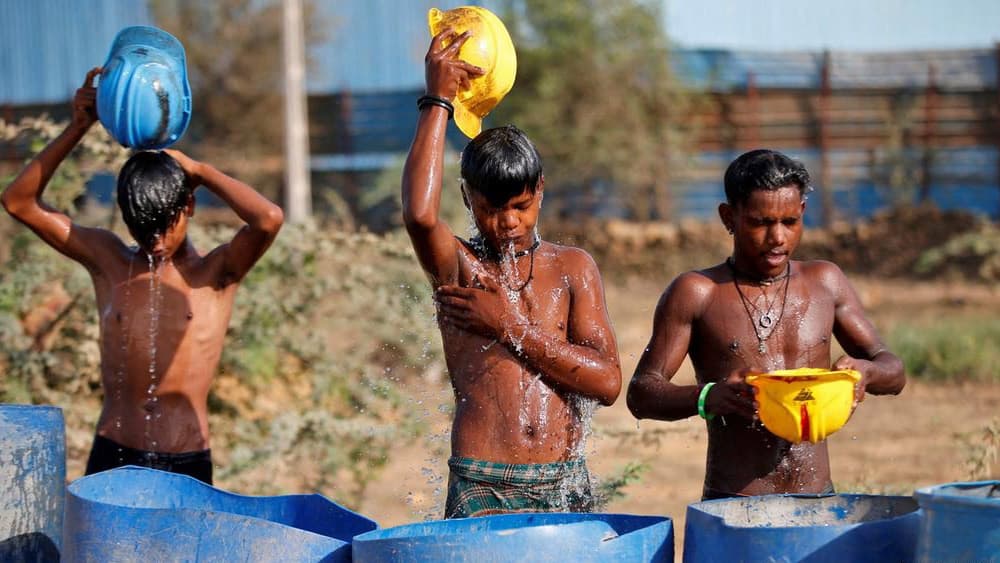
(23, 197)
(432, 239)
(263, 218)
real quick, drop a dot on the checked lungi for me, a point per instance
(481, 488)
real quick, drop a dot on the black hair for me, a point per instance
(763, 169)
(152, 191)
(500, 164)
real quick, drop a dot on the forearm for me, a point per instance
(421, 183)
(27, 188)
(650, 395)
(577, 368)
(256, 210)
(886, 376)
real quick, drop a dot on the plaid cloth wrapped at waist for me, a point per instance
(480, 488)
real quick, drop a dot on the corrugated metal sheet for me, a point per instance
(375, 45)
(964, 70)
(720, 70)
(956, 70)
(47, 46)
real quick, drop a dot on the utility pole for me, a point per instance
(298, 193)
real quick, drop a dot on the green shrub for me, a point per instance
(948, 349)
(974, 255)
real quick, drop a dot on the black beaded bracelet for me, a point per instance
(430, 100)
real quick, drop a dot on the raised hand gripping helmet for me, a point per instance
(143, 97)
(489, 47)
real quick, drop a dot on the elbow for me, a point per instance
(419, 221)
(608, 396)
(8, 203)
(634, 402)
(611, 388)
(897, 379)
(900, 382)
(272, 220)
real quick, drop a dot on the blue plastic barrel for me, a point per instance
(814, 528)
(522, 537)
(139, 514)
(32, 482)
(961, 522)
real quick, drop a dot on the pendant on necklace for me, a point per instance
(761, 348)
(766, 320)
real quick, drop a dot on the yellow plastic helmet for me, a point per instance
(805, 404)
(490, 48)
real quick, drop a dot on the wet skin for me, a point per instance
(701, 314)
(164, 330)
(524, 342)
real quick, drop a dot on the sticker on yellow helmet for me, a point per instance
(805, 404)
(490, 48)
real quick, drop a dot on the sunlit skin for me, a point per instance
(516, 355)
(163, 328)
(701, 315)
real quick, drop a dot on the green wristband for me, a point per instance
(701, 402)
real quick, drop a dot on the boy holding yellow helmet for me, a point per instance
(760, 312)
(525, 328)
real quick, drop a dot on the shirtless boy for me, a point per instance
(163, 307)
(526, 333)
(758, 311)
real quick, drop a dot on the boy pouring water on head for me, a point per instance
(163, 306)
(525, 328)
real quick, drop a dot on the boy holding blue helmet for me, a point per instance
(163, 306)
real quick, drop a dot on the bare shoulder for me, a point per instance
(573, 260)
(826, 274)
(96, 248)
(694, 288)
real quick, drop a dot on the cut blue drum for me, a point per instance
(814, 528)
(522, 537)
(32, 482)
(139, 514)
(961, 522)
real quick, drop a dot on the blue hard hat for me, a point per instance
(143, 97)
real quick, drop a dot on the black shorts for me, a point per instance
(108, 454)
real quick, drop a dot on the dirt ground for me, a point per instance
(891, 445)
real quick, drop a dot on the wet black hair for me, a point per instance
(500, 164)
(152, 192)
(763, 169)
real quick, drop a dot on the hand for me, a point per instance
(85, 102)
(190, 166)
(861, 366)
(482, 311)
(732, 396)
(445, 73)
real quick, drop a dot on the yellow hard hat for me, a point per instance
(489, 47)
(805, 404)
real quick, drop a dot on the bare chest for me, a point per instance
(777, 327)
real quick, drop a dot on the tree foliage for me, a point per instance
(596, 93)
